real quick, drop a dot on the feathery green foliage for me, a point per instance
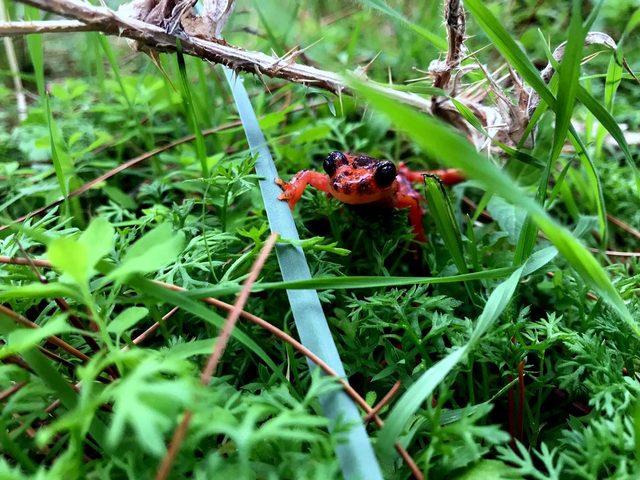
(467, 322)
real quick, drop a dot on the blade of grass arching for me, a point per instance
(354, 450)
(187, 101)
(382, 7)
(608, 122)
(335, 283)
(422, 388)
(452, 150)
(569, 74)
(178, 299)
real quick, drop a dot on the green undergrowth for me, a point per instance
(466, 349)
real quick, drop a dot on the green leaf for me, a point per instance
(509, 218)
(493, 469)
(70, 257)
(77, 258)
(148, 399)
(451, 149)
(126, 320)
(155, 250)
(38, 290)
(98, 238)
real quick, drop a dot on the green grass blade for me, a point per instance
(179, 299)
(594, 182)
(335, 283)
(611, 84)
(113, 62)
(442, 214)
(382, 7)
(354, 451)
(452, 150)
(187, 100)
(569, 74)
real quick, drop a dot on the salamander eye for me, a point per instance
(333, 161)
(385, 174)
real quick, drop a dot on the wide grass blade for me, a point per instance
(354, 450)
(443, 216)
(190, 110)
(418, 392)
(452, 150)
(185, 303)
(569, 73)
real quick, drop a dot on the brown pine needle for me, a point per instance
(383, 402)
(218, 350)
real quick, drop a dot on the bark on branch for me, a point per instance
(14, 29)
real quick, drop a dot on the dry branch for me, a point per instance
(12, 61)
(155, 38)
(14, 29)
(455, 22)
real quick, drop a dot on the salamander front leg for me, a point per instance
(292, 190)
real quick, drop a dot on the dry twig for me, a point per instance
(12, 61)
(149, 36)
(220, 346)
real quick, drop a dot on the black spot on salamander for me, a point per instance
(346, 188)
(341, 176)
(363, 161)
(364, 186)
